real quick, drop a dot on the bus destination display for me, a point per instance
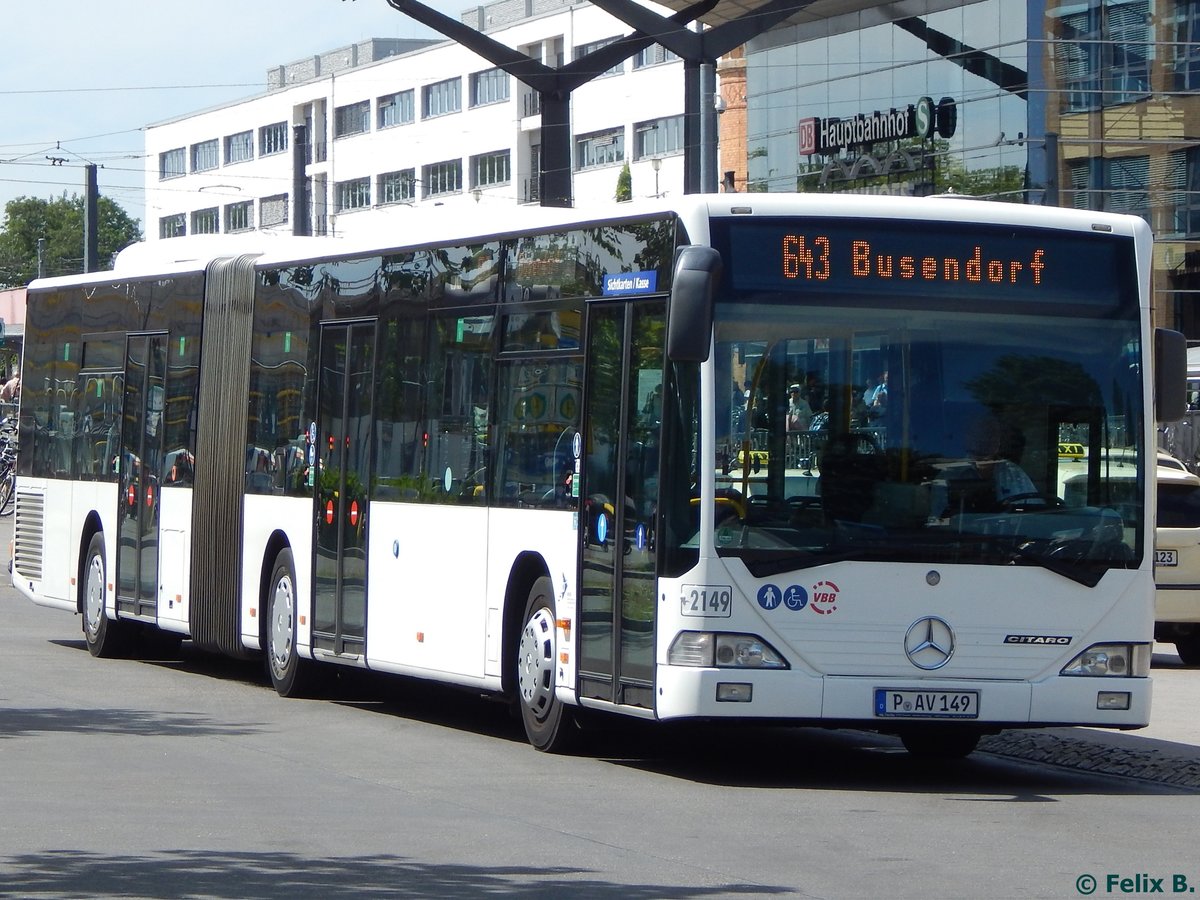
(807, 259)
(929, 259)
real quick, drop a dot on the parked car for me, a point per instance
(1177, 560)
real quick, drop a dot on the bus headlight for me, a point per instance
(1117, 660)
(723, 651)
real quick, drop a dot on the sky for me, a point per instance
(80, 80)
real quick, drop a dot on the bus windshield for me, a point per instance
(896, 418)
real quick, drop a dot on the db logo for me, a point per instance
(824, 597)
(807, 133)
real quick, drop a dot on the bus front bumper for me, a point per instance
(889, 702)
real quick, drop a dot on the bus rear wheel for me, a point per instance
(105, 637)
(549, 725)
(291, 676)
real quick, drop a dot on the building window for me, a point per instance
(1128, 185)
(1102, 55)
(1176, 176)
(1131, 45)
(1189, 205)
(172, 226)
(397, 187)
(273, 139)
(206, 221)
(354, 118)
(654, 55)
(489, 87)
(584, 49)
(205, 155)
(239, 216)
(1185, 64)
(442, 98)
(602, 148)
(353, 194)
(658, 138)
(1115, 184)
(239, 147)
(273, 210)
(396, 109)
(172, 164)
(490, 169)
(442, 178)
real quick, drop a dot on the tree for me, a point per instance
(60, 222)
(625, 184)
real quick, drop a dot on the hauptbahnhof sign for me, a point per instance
(922, 119)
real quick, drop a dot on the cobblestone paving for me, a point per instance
(1149, 765)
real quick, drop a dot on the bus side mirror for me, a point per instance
(1170, 375)
(693, 294)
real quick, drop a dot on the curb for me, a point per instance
(1088, 756)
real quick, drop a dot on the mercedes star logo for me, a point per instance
(929, 643)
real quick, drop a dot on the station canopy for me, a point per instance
(835, 15)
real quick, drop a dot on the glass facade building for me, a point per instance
(1089, 104)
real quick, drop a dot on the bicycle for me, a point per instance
(8, 467)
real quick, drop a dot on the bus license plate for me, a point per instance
(927, 704)
(1166, 557)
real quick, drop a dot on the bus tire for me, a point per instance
(290, 675)
(1188, 649)
(940, 743)
(549, 725)
(105, 637)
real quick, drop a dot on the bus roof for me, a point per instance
(448, 226)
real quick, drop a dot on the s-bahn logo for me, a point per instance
(922, 119)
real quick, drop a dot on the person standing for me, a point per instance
(799, 413)
(875, 398)
(799, 418)
(11, 391)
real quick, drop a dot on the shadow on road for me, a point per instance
(278, 875)
(732, 755)
(16, 723)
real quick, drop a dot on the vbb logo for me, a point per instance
(824, 597)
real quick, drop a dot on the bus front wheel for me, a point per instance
(105, 637)
(549, 725)
(940, 743)
(290, 675)
(1188, 649)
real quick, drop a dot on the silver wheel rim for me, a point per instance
(93, 597)
(282, 626)
(535, 663)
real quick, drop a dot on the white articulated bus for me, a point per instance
(760, 457)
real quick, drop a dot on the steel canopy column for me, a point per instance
(691, 126)
(555, 178)
(554, 86)
(696, 50)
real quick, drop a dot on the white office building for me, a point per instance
(378, 129)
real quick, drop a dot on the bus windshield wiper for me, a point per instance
(1074, 560)
(1066, 558)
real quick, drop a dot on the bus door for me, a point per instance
(343, 432)
(622, 423)
(137, 464)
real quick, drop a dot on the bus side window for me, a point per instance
(537, 418)
(458, 371)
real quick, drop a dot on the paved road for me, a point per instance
(189, 777)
